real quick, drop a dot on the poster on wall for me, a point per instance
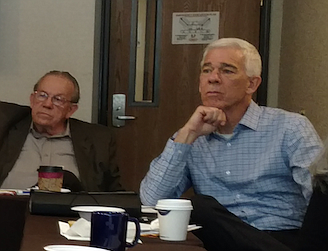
(195, 27)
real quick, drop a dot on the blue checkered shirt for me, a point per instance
(260, 174)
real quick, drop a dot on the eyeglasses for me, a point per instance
(56, 100)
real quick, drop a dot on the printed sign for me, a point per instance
(195, 27)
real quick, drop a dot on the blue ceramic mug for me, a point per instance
(108, 230)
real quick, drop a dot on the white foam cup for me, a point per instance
(173, 216)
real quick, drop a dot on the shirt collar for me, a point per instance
(252, 116)
(66, 133)
(250, 119)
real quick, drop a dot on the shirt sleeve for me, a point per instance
(304, 145)
(168, 175)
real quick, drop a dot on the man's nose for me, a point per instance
(48, 102)
(215, 76)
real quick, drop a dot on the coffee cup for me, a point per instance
(108, 230)
(173, 216)
(50, 178)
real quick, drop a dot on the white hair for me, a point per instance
(253, 62)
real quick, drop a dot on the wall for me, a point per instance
(37, 36)
(304, 61)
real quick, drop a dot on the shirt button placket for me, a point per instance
(46, 152)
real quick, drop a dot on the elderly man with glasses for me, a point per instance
(44, 134)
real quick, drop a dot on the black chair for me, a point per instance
(71, 182)
(314, 232)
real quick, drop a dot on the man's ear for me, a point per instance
(254, 83)
(31, 99)
(73, 108)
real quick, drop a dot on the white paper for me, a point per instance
(80, 230)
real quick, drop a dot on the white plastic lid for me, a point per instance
(174, 204)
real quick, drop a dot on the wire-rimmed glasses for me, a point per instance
(57, 100)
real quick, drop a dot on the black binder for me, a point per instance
(60, 204)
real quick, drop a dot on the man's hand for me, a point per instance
(203, 121)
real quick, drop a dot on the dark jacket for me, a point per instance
(93, 144)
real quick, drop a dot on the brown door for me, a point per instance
(142, 139)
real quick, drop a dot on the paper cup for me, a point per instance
(50, 178)
(173, 217)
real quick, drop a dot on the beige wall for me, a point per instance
(303, 82)
(37, 36)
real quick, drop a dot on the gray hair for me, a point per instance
(76, 94)
(253, 62)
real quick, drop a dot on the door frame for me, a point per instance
(262, 91)
(103, 64)
(157, 57)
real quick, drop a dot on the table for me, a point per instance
(40, 231)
